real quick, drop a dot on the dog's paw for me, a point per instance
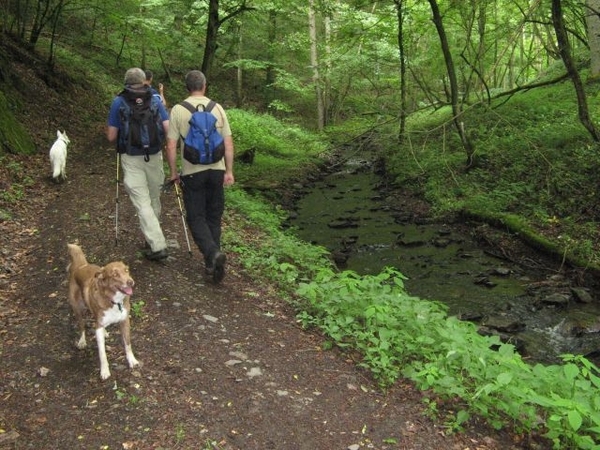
(81, 343)
(104, 373)
(134, 362)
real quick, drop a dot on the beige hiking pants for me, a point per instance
(143, 181)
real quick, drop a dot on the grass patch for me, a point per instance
(282, 151)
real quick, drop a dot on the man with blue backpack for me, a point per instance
(206, 149)
(138, 123)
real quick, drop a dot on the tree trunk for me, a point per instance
(565, 53)
(270, 76)
(456, 107)
(42, 15)
(314, 62)
(121, 49)
(212, 30)
(402, 57)
(55, 19)
(240, 73)
(327, 113)
(592, 20)
(164, 66)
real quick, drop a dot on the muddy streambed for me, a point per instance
(536, 308)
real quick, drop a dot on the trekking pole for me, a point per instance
(187, 239)
(117, 201)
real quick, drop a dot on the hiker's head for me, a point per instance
(134, 76)
(195, 81)
(149, 76)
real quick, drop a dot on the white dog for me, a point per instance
(58, 157)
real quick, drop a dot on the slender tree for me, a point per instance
(565, 54)
(401, 54)
(592, 19)
(239, 88)
(314, 62)
(451, 72)
(212, 30)
(213, 24)
(270, 77)
(56, 14)
(46, 12)
(327, 76)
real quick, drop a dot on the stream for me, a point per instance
(539, 311)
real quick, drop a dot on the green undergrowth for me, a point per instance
(533, 160)
(402, 336)
(266, 249)
(282, 151)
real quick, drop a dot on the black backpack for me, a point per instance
(141, 131)
(203, 143)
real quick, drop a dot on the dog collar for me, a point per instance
(119, 304)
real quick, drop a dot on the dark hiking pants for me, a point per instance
(204, 199)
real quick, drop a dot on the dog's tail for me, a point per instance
(76, 257)
(56, 171)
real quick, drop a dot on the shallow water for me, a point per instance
(345, 214)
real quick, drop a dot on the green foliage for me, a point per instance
(13, 136)
(179, 433)
(210, 444)
(17, 180)
(137, 309)
(282, 151)
(399, 335)
(533, 159)
(271, 253)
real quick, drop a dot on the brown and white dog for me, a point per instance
(104, 291)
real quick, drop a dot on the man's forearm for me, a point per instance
(172, 157)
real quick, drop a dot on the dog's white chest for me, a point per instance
(116, 314)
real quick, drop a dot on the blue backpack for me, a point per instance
(141, 131)
(203, 143)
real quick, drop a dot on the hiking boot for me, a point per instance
(157, 255)
(218, 266)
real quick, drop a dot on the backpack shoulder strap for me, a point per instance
(155, 103)
(188, 106)
(124, 108)
(210, 105)
(208, 108)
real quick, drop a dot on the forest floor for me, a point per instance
(224, 366)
